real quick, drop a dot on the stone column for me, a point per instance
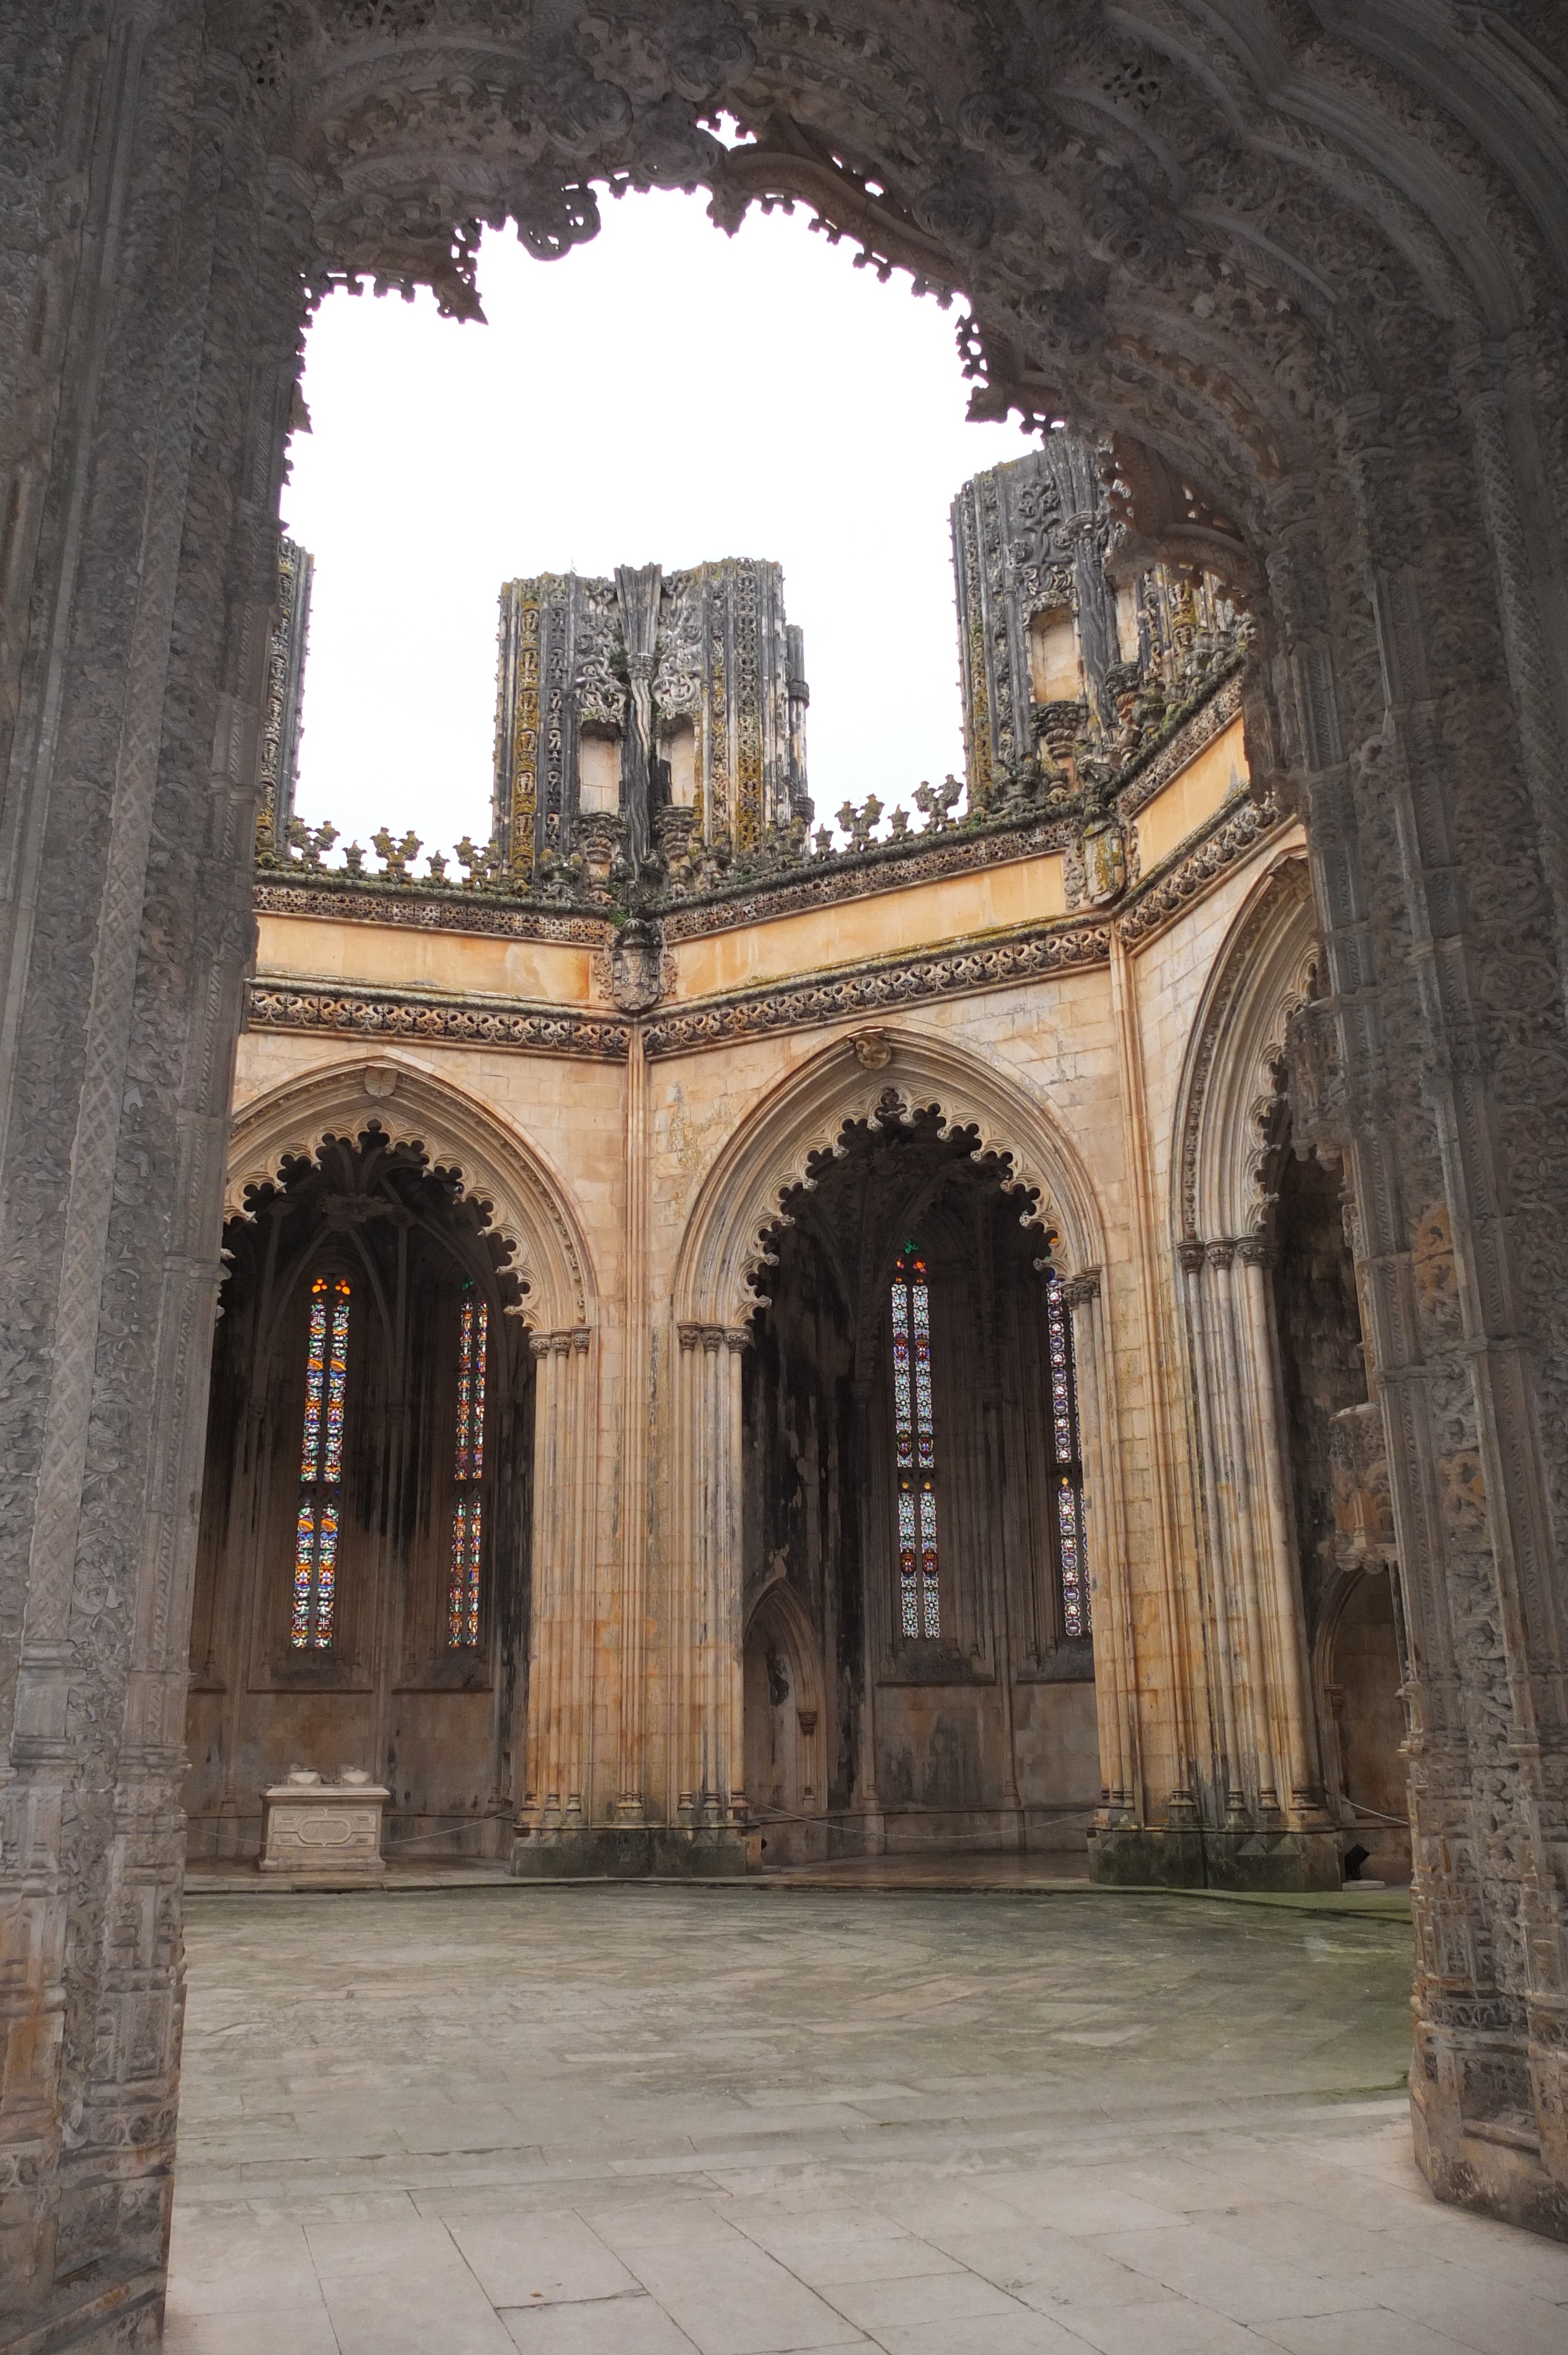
(1104, 1540)
(1436, 1061)
(873, 1827)
(635, 1377)
(1275, 1834)
(1238, 1507)
(1215, 1567)
(553, 1827)
(1294, 1742)
(1178, 1803)
(707, 1733)
(141, 573)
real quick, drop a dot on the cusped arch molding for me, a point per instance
(1263, 975)
(1254, 214)
(526, 1202)
(878, 1076)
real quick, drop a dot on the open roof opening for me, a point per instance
(665, 395)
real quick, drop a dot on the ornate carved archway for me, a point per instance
(1307, 263)
(527, 1204)
(1263, 975)
(877, 1076)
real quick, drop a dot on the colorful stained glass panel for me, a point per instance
(915, 1450)
(1067, 1472)
(321, 1466)
(462, 1576)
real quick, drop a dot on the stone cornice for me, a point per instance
(1235, 831)
(926, 857)
(930, 856)
(427, 910)
(990, 964)
(370, 1013)
(993, 961)
(1170, 758)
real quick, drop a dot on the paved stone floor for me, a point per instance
(644, 2120)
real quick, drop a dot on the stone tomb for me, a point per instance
(316, 1830)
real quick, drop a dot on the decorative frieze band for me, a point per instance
(1189, 740)
(429, 911)
(1169, 894)
(408, 1013)
(1023, 958)
(884, 867)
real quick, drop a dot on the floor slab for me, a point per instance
(754, 2119)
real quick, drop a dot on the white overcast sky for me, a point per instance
(664, 394)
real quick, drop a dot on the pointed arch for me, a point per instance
(525, 1200)
(879, 1076)
(1262, 976)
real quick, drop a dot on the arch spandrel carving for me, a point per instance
(1262, 975)
(527, 1202)
(1250, 227)
(878, 1077)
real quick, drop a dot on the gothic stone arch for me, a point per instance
(878, 1076)
(881, 1076)
(527, 1202)
(1307, 267)
(1262, 978)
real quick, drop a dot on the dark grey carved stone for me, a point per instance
(1308, 271)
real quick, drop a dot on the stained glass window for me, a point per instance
(1067, 1467)
(321, 1467)
(915, 1450)
(468, 1517)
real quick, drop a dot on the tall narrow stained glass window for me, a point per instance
(468, 1517)
(915, 1450)
(321, 1467)
(1066, 1465)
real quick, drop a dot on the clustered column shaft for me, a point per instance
(1260, 1703)
(707, 1752)
(558, 1774)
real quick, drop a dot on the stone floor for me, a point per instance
(742, 2119)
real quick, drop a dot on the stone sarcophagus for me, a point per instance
(314, 1829)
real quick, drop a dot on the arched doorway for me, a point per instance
(789, 1449)
(1294, 332)
(361, 1580)
(913, 1478)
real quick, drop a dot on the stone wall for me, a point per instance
(1310, 279)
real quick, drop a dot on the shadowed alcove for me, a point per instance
(363, 1574)
(919, 1667)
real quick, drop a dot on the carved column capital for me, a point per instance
(1081, 1291)
(713, 1337)
(1190, 1255)
(1255, 1251)
(1219, 1255)
(557, 1345)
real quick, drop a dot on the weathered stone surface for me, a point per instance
(1308, 271)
